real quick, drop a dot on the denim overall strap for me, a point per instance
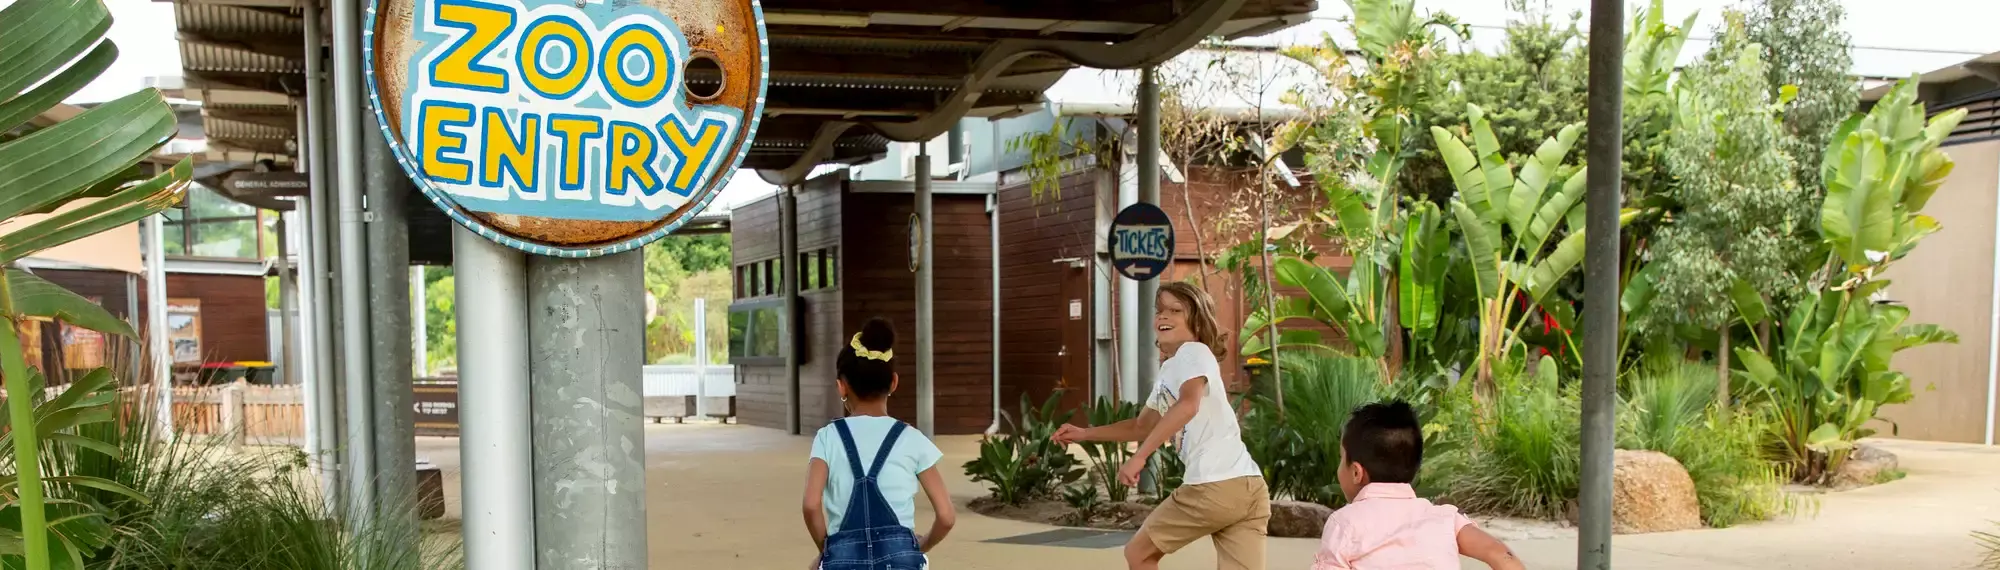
(888, 445)
(853, 455)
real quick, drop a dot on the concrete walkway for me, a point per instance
(728, 497)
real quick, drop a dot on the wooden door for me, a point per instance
(1076, 339)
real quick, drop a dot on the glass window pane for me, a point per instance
(765, 337)
(174, 238)
(232, 239)
(205, 203)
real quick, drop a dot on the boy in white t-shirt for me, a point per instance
(1223, 494)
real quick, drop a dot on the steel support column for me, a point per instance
(1600, 280)
(495, 444)
(388, 322)
(318, 229)
(353, 269)
(1149, 192)
(288, 306)
(160, 350)
(788, 286)
(587, 345)
(926, 299)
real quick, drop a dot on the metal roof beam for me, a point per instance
(1052, 10)
(1155, 45)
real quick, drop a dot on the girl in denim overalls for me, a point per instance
(866, 469)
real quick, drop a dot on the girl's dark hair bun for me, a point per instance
(877, 334)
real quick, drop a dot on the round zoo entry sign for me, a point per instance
(571, 128)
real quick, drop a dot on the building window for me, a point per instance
(755, 331)
(771, 277)
(215, 227)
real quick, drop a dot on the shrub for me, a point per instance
(1521, 457)
(1300, 451)
(1106, 456)
(1669, 408)
(1991, 543)
(1026, 464)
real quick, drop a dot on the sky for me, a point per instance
(1891, 37)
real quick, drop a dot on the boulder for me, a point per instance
(1297, 519)
(1651, 492)
(1868, 465)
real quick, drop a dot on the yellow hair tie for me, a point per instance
(862, 351)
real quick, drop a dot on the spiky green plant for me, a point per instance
(52, 49)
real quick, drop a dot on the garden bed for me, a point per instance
(1108, 516)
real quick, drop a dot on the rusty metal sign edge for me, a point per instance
(458, 216)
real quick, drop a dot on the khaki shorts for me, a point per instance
(1235, 512)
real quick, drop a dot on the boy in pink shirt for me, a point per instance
(1384, 525)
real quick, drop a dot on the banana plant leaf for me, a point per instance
(49, 167)
(35, 297)
(1858, 215)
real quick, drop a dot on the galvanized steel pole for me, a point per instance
(319, 209)
(388, 321)
(495, 445)
(1600, 280)
(353, 268)
(926, 298)
(788, 285)
(1149, 193)
(288, 305)
(587, 345)
(156, 323)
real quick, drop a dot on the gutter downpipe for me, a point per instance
(353, 267)
(993, 216)
(1993, 337)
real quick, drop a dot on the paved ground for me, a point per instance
(728, 496)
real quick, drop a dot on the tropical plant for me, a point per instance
(1025, 463)
(1300, 450)
(1107, 456)
(1828, 376)
(1881, 170)
(76, 171)
(1511, 225)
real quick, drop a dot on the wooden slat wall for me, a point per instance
(1033, 234)
(876, 281)
(233, 317)
(761, 390)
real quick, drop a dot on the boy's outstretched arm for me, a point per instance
(1478, 545)
(933, 484)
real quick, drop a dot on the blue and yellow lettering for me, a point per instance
(631, 153)
(1148, 242)
(702, 144)
(508, 152)
(574, 131)
(458, 64)
(623, 82)
(433, 118)
(566, 77)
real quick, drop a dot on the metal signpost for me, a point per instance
(574, 132)
(1141, 242)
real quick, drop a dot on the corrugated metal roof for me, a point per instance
(235, 22)
(202, 56)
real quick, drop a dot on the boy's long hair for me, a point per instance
(869, 375)
(1201, 315)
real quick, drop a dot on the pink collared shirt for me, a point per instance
(1388, 528)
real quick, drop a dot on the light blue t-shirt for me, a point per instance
(913, 454)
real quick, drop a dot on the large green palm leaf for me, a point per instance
(48, 50)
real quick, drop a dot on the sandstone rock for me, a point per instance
(1298, 519)
(1651, 492)
(1868, 465)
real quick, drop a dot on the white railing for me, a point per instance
(679, 380)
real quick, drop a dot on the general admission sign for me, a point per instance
(572, 128)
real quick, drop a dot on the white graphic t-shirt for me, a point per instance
(1212, 443)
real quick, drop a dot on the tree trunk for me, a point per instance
(1722, 374)
(1392, 329)
(1194, 226)
(1270, 293)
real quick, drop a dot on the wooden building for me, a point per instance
(1056, 291)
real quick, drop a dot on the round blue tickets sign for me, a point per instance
(1141, 241)
(570, 128)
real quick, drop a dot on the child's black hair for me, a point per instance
(1387, 440)
(869, 378)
